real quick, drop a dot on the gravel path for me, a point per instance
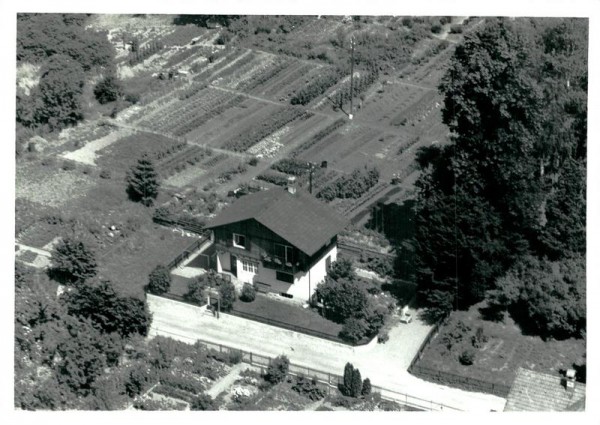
(228, 380)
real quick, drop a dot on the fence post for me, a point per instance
(251, 358)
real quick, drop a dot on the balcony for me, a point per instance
(278, 264)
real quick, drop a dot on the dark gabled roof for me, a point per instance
(540, 392)
(298, 218)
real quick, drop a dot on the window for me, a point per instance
(250, 266)
(239, 241)
(284, 277)
(285, 253)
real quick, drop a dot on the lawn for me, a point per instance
(129, 264)
(288, 316)
(505, 351)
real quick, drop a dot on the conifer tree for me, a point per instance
(142, 181)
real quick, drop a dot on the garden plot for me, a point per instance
(258, 63)
(389, 101)
(297, 75)
(120, 156)
(51, 186)
(88, 153)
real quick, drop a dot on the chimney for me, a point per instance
(570, 382)
(291, 184)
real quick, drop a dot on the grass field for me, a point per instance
(506, 350)
(293, 315)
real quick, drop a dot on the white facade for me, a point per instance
(304, 284)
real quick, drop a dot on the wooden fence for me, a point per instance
(189, 224)
(188, 251)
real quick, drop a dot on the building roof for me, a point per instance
(299, 218)
(540, 392)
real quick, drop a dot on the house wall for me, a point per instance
(304, 284)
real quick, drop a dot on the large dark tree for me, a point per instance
(511, 182)
(73, 261)
(142, 181)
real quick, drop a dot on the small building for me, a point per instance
(282, 239)
(541, 392)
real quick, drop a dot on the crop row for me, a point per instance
(274, 177)
(198, 120)
(144, 53)
(360, 85)
(368, 197)
(170, 150)
(214, 161)
(353, 186)
(291, 166)
(191, 91)
(233, 66)
(413, 112)
(248, 138)
(177, 163)
(182, 55)
(318, 137)
(316, 87)
(288, 79)
(262, 77)
(216, 59)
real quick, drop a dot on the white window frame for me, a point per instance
(235, 244)
(250, 266)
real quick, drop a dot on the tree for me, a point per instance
(343, 298)
(142, 181)
(203, 402)
(354, 329)
(348, 375)
(73, 262)
(159, 280)
(278, 369)
(227, 294)
(366, 387)
(108, 89)
(108, 312)
(546, 298)
(515, 103)
(356, 385)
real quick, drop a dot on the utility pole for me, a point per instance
(351, 76)
(310, 176)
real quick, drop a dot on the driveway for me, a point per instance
(385, 364)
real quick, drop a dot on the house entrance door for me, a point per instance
(233, 265)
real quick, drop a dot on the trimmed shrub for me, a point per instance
(383, 338)
(248, 293)
(277, 370)
(227, 293)
(366, 387)
(356, 386)
(348, 373)
(467, 357)
(159, 280)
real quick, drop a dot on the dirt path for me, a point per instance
(228, 380)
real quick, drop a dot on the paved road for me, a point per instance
(385, 364)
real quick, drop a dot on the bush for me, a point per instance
(342, 401)
(159, 280)
(105, 174)
(277, 370)
(235, 357)
(227, 294)
(456, 29)
(341, 269)
(467, 357)
(383, 338)
(354, 329)
(479, 338)
(203, 402)
(197, 291)
(436, 28)
(248, 293)
(253, 161)
(308, 388)
(366, 387)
